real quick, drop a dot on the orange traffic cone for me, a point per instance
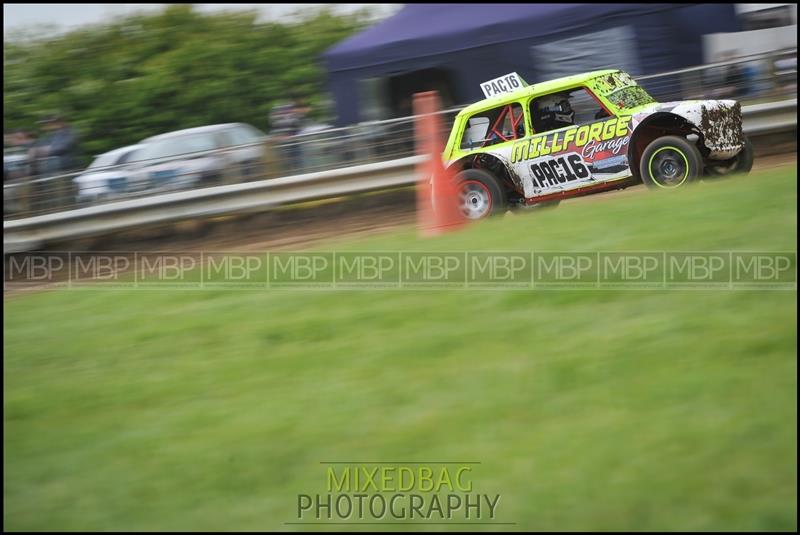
(438, 208)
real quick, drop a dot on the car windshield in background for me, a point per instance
(630, 97)
(128, 156)
(178, 146)
(105, 160)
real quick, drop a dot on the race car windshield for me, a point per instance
(630, 97)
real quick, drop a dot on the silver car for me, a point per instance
(108, 176)
(198, 157)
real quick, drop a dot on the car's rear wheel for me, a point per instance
(669, 162)
(480, 194)
(741, 163)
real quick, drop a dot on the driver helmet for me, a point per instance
(555, 111)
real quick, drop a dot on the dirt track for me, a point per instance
(287, 228)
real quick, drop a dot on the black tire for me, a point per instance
(741, 163)
(480, 194)
(669, 162)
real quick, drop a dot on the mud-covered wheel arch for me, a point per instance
(656, 126)
(494, 165)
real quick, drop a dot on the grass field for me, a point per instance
(612, 409)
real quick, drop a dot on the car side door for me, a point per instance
(566, 154)
(243, 150)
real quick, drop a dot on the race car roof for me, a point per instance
(541, 87)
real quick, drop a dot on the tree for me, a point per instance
(142, 75)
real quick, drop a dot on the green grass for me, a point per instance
(613, 409)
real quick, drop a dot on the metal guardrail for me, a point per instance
(769, 117)
(33, 232)
(771, 76)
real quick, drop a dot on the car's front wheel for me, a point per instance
(480, 194)
(669, 162)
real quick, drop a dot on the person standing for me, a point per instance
(287, 120)
(55, 151)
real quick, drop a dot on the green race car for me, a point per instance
(535, 144)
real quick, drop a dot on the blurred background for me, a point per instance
(284, 89)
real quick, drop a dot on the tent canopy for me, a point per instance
(476, 42)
